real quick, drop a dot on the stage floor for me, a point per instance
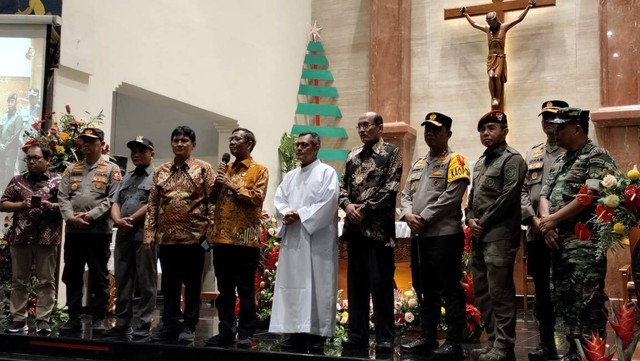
(86, 346)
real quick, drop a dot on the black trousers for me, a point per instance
(89, 249)
(235, 268)
(181, 264)
(370, 272)
(539, 267)
(436, 270)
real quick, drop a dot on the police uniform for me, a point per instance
(88, 188)
(434, 190)
(578, 274)
(135, 266)
(539, 159)
(494, 200)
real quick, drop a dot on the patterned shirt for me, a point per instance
(372, 178)
(569, 173)
(238, 210)
(178, 209)
(34, 225)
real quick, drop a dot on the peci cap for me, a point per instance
(437, 119)
(140, 141)
(94, 133)
(552, 106)
(568, 114)
(494, 116)
(33, 92)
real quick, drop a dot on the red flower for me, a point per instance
(594, 350)
(467, 239)
(37, 125)
(468, 291)
(583, 196)
(53, 131)
(627, 318)
(237, 308)
(28, 144)
(272, 258)
(632, 196)
(582, 232)
(68, 108)
(604, 213)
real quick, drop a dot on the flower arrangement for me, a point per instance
(616, 210)
(406, 310)
(625, 326)
(266, 273)
(62, 137)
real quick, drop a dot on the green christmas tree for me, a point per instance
(315, 87)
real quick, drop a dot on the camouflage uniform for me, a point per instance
(577, 277)
(494, 200)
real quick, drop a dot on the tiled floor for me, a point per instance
(267, 345)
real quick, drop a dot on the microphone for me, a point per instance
(226, 158)
(218, 188)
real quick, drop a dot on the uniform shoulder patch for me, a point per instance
(115, 173)
(458, 168)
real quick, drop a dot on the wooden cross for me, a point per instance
(499, 6)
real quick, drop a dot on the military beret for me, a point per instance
(494, 116)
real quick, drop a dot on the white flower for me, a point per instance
(409, 293)
(274, 220)
(611, 201)
(409, 317)
(271, 231)
(262, 284)
(608, 181)
(276, 264)
(341, 214)
(412, 303)
(338, 318)
(338, 306)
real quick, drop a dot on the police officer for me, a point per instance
(84, 195)
(493, 216)
(135, 265)
(578, 270)
(431, 206)
(539, 159)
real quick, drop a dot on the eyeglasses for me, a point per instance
(236, 138)
(364, 125)
(34, 158)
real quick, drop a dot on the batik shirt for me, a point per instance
(238, 208)
(178, 208)
(34, 225)
(372, 178)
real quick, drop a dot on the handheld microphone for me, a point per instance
(226, 158)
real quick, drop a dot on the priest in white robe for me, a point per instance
(304, 301)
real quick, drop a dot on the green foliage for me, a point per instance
(287, 151)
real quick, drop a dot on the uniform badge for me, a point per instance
(74, 186)
(414, 175)
(534, 176)
(437, 173)
(244, 174)
(358, 179)
(98, 185)
(435, 182)
(538, 152)
(548, 105)
(139, 138)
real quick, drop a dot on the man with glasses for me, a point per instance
(431, 206)
(239, 194)
(368, 194)
(85, 201)
(178, 213)
(493, 216)
(33, 238)
(578, 270)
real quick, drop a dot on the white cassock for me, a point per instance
(304, 299)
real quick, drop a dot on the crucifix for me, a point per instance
(496, 32)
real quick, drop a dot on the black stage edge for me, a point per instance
(31, 347)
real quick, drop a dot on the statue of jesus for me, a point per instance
(496, 60)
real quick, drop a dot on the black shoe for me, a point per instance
(165, 334)
(543, 353)
(421, 345)
(448, 351)
(186, 336)
(316, 343)
(245, 342)
(118, 330)
(295, 342)
(43, 327)
(74, 325)
(352, 344)
(384, 347)
(97, 326)
(220, 340)
(17, 326)
(143, 330)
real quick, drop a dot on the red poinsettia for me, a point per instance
(627, 318)
(582, 232)
(595, 349)
(583, 196)
(604, 213)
